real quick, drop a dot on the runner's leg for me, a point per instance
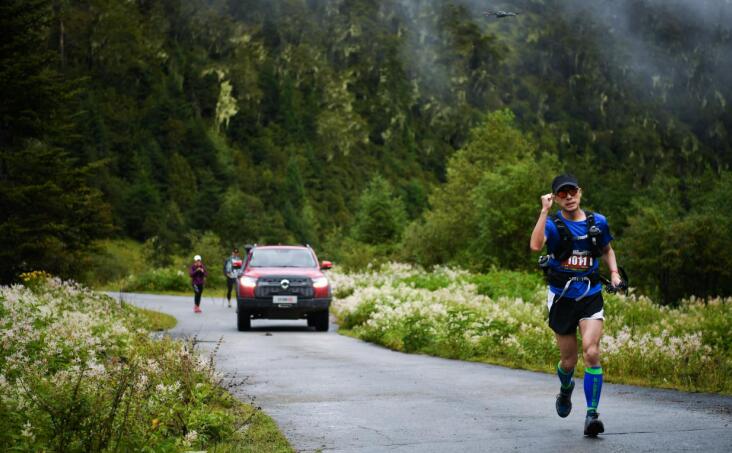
(229, 287)
(591, 330)
(565, 370)
(568, 353)
(563, 322)
(197, 298)
(198, 290)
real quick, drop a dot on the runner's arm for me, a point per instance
(608, 256)
(538, 238)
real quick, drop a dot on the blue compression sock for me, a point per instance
(565, 377)
(593, 387)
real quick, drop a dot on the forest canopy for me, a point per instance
(305, 120)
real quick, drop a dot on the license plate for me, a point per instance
(284, 299)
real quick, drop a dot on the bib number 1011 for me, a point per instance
(578, 262)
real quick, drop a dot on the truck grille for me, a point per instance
(272, 286)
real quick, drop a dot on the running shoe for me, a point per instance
(564, 400)
(196, 309)
(593, 425)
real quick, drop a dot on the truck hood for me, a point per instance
(257, 272)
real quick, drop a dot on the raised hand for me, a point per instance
(547, 201)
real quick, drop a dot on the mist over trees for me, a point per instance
(285, 121)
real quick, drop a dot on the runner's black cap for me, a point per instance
(562, 181)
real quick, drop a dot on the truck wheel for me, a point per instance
(243, 320)
(319, 320)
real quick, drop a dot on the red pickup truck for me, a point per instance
(283, 282)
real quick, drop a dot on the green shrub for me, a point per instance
(503, 283)
(507, 205)
(213, 254)
(449, 232)
(381, 215)
(165, 279)
(431, 281)
(112, 260)
(351, 255)
(126, 265)
(416, 332)
(86, 376)
(500, 317)
(359, 316)
(677, 242)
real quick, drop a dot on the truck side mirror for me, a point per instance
(325, 265)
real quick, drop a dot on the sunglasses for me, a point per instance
(565, 192)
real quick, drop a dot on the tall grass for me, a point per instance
(113, 260)
(79, 372)
(156, 321)
(500, 317)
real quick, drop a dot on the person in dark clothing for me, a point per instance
(233, 268)
(198, 275)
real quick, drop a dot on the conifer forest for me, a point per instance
(374, 130)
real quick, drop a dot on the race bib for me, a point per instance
(236, 264)
(578, 263)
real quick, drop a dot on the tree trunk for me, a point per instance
(58, 9)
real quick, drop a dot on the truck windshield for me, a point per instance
(282, 258)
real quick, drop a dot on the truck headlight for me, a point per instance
(320, 282)
(248, 282)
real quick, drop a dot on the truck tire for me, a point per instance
(243, 320)
(319, 320)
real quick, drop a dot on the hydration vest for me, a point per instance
(566, 241)
(565, 249)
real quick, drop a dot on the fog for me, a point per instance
(688, 48)
(661, 47)
(690, 27)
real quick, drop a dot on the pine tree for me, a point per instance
(48, 214)
(381, 215)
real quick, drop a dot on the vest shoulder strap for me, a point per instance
(561, 227)
(593, 234)
(590, 219)
(557, 219)
(565, 246)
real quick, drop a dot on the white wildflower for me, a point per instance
(27, 430)
(191, 437)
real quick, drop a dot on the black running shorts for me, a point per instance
(565, 314)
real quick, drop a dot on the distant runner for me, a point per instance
(233, 267)
(198, 275)
(575, 239)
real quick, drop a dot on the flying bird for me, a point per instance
(499, 14)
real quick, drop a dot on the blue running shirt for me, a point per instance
(580, 263)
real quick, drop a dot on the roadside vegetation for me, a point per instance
(129, 266)
(500, 318)
(80, 372)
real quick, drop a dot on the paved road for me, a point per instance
(336, 394)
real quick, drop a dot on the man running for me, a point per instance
(233, 268)
(575, 239)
